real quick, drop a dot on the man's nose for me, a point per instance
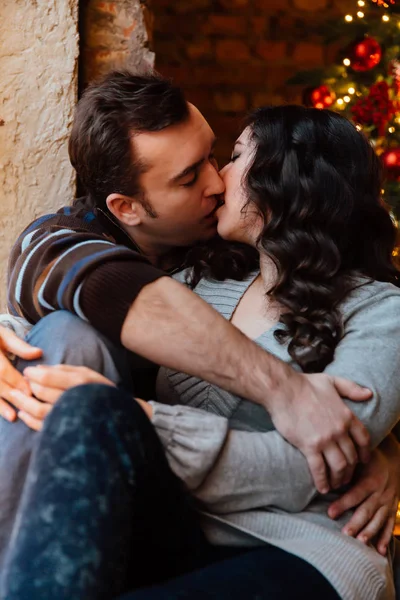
(222, 171)
(216, 185)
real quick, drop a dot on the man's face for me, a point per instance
(181, 182)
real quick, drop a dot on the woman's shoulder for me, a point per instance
(371, 296)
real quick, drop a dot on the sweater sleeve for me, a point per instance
(244, 470)
(231, 470)
(58, 265)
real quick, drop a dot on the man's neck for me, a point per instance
(161, 256)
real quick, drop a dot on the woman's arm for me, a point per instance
(369, 353)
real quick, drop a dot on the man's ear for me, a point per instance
(126, 209)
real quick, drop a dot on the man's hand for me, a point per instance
(375, 495)
(10, 378)
(312, 416)
(48, 383)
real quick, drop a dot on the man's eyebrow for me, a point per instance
(191, 168)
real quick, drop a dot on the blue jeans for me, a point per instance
(64, 339)
(102, 515)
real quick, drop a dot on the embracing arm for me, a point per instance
(233, 469)
(61, 263)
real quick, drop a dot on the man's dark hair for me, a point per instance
(109, 112)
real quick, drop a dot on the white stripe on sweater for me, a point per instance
(76, 305)
(18, 285)
(41, 299)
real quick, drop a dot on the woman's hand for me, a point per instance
(48, 383)
(10, 378)
(375, 496)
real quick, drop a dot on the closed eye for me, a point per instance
(192, 181)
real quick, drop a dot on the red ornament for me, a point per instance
(394, 71)
(365, 54)
(377, 108)
(391, 162)
(319, 97)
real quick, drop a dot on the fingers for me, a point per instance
(337, 464)
(10, 376)
(52, 377)
(10, 342)
(352, 391)
(350, 499)
(64, 377)
(7, 412)
(359, 433)
(30, 421)
(318, 470)
(362, 516)
(46, 394)
(349, 451)
(375, 524)
(387, 531)
(27, 404)
(362, 439)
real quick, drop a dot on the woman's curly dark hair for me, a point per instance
(316, 181)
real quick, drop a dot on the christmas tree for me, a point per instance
(364, 82)
(364, 85)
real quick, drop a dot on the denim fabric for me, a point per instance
(102, 513)
(101, 510)
(64, 339)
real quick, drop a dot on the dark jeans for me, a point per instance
(102, 515)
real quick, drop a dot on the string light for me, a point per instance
(361, 3)
(360, 14)
(358, 127)
(351, 90)
(340, 101)
(391, 130)
(348, 18)
(385, 18)
(347, 62)
(347, 98)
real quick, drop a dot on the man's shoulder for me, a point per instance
(75, 219)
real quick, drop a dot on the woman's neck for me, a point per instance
(268, 272)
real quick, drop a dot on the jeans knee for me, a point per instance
(67, 339)
(72, 328)
(92, 407)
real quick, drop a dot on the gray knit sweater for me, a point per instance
(255, 486)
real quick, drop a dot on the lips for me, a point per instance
(220, 202)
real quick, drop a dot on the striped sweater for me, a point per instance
(79, 260)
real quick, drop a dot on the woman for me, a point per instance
(316, 287)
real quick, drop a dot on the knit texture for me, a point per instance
(255, 487)
(78, 260)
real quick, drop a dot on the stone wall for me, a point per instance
(114, 35)
(232, 55)
(38, 85)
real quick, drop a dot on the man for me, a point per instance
(145, 158)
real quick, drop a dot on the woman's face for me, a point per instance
(235, 222)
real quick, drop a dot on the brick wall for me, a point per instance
(114, 35)
(232, 55)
